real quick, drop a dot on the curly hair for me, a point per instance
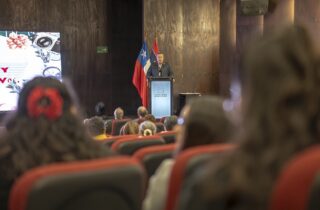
(281, 107)
(147, 128)
(31, 142)
(130, 128)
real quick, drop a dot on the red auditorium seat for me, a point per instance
(151, 157)
(168, 136)
(298, 186)
(129, 145)
(186, 163)
(109, 141)
(117, 125)
(111, 183)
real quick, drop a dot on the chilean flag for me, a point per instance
(139, 78)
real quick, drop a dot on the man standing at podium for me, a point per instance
(160, 68)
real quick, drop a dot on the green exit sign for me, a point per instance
(102, 49)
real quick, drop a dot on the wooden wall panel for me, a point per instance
(84, 25)
(188, 33)
(228, 36)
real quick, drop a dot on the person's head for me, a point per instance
(150, 117)
(108, 127)
(280, 111)
(142, 111)
(45, 128)
(170, 122)
(118, 113)
(147, 128)
(100, 109)
(280, 96)
(130, 128)
(203, 121)
(160, 58)
(95, 126)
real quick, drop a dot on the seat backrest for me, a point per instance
(168, 136)
(117, 125)
(128, 146)
(151, 157)
(186, 163)
(298, 185)
(109, 141)
(160, 127)
(112, 183)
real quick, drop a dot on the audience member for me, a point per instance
(100, 109)
(170, 122)
(150, 117)
(118, 113)
(280, 118)
(142, 112)
(130, 128)
(147, 128)
(95, 127)
(45, 129)
(202, 122)
(108, 127)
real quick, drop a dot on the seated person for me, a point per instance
(170, 122)
(141, 112)
(150, 117)
(130, 128)
(108, 127)
(147, 128)
(46, 128)
(118, 113)
(202, 122)
(100, 110)
(95, 127)
(279, 119)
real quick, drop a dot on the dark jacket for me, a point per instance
(165, 71)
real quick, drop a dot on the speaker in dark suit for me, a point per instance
(160, 68)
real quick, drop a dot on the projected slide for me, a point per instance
(24, 55)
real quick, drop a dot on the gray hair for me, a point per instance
(147, 128)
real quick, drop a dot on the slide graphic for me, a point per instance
(24, 55)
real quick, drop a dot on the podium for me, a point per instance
(160, 96)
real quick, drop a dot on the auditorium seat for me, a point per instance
(160, 127)
(188, 162)
(168, 136)
(109, 141)
(117, 125)
(129, 145)
(151, 157)
(111, 183)
(298, 185)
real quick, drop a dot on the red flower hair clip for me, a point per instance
(52, 110)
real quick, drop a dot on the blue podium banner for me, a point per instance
(160, 98)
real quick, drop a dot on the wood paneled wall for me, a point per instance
(188, 33)
(84, 25)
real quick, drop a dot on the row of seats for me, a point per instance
(168, 137)
(117, 183)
